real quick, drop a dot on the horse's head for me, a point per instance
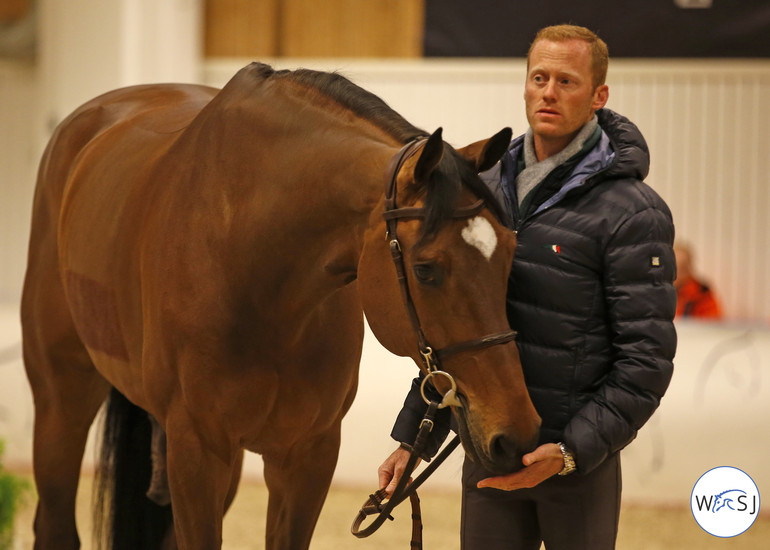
(439, 226)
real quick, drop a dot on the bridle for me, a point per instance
(378, 503)
(431, 357)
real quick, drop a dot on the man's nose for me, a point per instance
(549, 90)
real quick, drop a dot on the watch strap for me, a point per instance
(569, 460)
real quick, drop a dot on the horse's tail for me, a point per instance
(124, 518)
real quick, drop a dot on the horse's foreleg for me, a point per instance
(235, 479)
(67, 390)
(65, 406)
(298, 484)
(200, 479)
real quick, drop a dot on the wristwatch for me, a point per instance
(569, 460)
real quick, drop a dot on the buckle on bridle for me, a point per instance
(429, 359)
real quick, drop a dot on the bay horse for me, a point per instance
(202, 258)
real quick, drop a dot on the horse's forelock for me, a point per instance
(443, 190)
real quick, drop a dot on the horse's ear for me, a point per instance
(430, 157)
(484, 154)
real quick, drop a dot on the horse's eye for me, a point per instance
(428, 274)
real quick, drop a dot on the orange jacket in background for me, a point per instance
(695, 299)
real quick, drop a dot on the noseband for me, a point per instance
(431, 357)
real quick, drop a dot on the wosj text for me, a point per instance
(732, 499)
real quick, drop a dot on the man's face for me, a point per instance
(559, 94)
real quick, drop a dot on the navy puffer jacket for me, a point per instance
(590, 293)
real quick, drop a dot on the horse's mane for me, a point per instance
(443, 188)
(351, 96)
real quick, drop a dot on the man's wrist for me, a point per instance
(569, 460)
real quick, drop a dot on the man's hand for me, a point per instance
(392, 469)
(539, 465)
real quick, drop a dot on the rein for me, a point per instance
(378, 503)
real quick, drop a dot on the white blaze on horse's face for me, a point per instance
(480, 234)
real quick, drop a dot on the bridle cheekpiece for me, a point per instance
(431, 358)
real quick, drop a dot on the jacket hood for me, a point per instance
(633, 155)
(621, 153)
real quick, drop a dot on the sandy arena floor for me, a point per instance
(641, 528)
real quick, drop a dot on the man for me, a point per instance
(694, 298)
(591, 297)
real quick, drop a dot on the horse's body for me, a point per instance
(197, 250)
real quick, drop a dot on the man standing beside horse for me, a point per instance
(591, 296)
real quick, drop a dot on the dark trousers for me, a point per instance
(573, 512)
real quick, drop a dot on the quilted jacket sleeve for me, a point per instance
(640, 304)
(408, 421)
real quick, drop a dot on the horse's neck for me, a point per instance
(333, 206)
(295, 192)
(310, 237)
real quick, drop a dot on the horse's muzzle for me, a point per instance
(500, 452)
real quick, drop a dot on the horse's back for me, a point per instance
(100, 134)
(161, 109)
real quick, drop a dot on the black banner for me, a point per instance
(641, 28)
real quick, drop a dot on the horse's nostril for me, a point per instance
(505, 452)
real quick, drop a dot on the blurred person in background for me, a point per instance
(694, 298)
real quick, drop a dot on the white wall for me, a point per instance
(19, 153)
(92, 46)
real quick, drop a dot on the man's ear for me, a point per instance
(601, 95)
(484, 154)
